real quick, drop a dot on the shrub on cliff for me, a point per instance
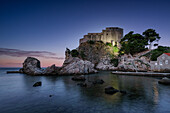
(115, 62)
(109, 44)
(74, 53)
(82, 55)
(91, 42)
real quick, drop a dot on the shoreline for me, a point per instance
(147, 74)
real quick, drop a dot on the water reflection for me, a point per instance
(143, 94)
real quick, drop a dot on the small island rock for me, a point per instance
(32, 66)
(110, 90)
(37, 84)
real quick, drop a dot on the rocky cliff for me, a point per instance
(96, 52)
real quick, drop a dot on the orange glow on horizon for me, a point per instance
(8, 61)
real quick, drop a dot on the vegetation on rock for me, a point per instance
(151, 36)
(154, 54)
(74, 53)
(132, 43)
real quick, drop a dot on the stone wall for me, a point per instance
(111, 34)
(162, 63)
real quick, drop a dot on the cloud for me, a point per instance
(22, 53)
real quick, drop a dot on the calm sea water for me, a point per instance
(144, 95)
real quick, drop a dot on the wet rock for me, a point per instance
(82, 84)
(50, 95)
(110, 90)
(78, 78)
(123, 92)
(165, 81)
(37, 84)
(99, 81)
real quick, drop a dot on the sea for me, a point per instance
(59, 94)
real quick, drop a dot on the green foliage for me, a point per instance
(109, 44)
(114, 61)
(74, 53)
(91, 41)
(132, 43)
(154, 54)
(83, 56)
(115, 49)
(151, 36)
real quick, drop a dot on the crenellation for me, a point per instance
(110, 34)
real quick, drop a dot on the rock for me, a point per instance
(133, 64)
(32, 66)
(105, 64)
(165, 81)
(79, 78)
(110, 90)
(82, 84)
(123, 92)
(99, 81)
(37, 84)
(77, 66)
(95, 52)
(50, 95)
(51, 70)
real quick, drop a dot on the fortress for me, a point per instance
(110, 34)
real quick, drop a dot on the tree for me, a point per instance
(133, 43)
(151, 36)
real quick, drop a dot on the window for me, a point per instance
(160, 63)
(166, 61)
(163, 57)
(156, 63)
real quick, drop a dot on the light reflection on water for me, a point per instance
(143, 94)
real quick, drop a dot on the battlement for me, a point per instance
(110, 34)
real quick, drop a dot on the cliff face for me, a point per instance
(95, 51)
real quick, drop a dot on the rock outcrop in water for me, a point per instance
(72, 65)
(32, 66)
(76, 66)
(51, 70)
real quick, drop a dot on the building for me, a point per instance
(110, 34)
(162, 63)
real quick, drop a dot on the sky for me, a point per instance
(44, 28)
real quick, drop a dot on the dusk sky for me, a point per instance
(44, 28)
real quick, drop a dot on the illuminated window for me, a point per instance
(166, 61)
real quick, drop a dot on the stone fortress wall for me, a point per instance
(110, 34)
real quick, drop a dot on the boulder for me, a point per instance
(51, 70)
(82, 84)
(122, 91)
(32, 66)
(37, 84)
(165, 81)
(77, 66)
(99, 81)
(78, 78)
(110, 90)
